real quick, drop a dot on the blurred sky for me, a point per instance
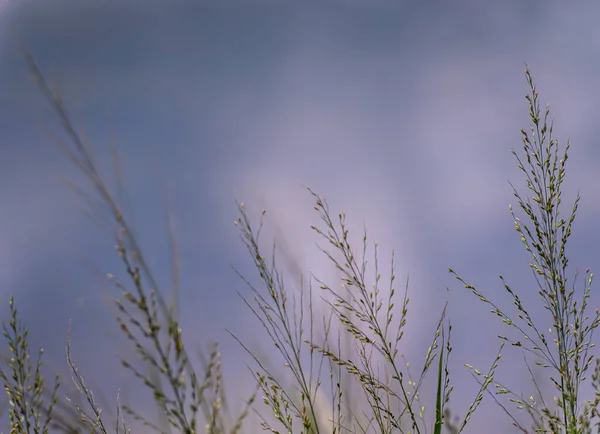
(401, 113)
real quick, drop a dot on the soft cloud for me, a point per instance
(403, 117)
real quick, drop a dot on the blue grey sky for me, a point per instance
(401, 113)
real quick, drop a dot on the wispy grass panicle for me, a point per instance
(24, 383)
(565, 349)
(373, 318)
(368, 316)
(283, 317)
(146, 319)
(90, 414)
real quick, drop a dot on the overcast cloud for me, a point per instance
(402, 115)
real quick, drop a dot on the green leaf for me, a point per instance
(439, 410)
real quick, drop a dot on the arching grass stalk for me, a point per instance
(146, 319)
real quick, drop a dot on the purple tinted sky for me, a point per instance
(404, 116)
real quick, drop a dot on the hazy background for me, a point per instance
(402, 114)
